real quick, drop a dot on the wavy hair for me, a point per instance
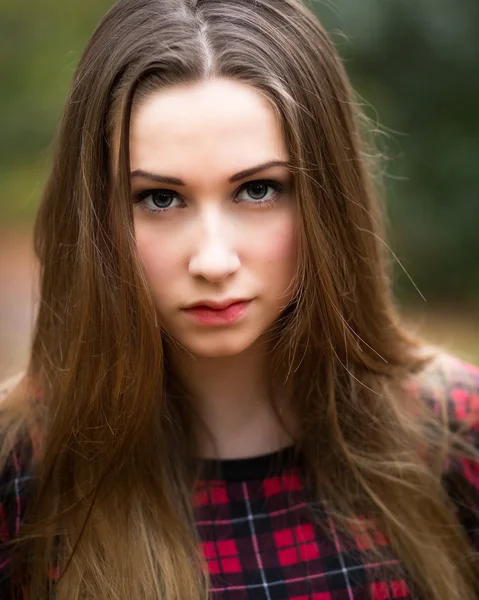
(113, 453)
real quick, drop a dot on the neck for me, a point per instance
(233, 397)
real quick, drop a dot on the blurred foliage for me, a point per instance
(414, 65)
(417, 64)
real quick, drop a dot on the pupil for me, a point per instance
(162, 196)
(258, 190)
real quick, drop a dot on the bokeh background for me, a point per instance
(415, 66)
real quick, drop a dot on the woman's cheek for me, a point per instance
(282, 259)
(156, 255)
(278, 242)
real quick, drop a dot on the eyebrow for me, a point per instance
(232, 179)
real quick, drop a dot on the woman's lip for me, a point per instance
(215, 307)
(218, 305)
(206, 315)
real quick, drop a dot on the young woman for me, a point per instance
(221, 400)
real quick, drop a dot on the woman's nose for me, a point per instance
(215, 257)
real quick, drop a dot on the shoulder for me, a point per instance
(452, 384)
(14, 480)
(449, 386)
(16, 472)
(15, 493)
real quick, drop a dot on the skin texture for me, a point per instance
(216, 241)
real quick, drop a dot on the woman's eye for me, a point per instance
(156, 200)
(258, 191)
(255, 193)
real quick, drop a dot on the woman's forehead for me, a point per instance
(220, 122)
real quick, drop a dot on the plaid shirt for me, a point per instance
(255, 533)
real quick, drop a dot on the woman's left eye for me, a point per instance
(258, 191)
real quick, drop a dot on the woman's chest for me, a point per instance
(269, 547)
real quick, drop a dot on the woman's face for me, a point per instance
(211, 223)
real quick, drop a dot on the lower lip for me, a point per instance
(225, 316)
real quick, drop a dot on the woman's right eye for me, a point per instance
(156, 200)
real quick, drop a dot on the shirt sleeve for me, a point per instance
(458, 381)
(15, 478)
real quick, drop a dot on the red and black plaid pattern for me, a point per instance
(254, 525)
(259, 541)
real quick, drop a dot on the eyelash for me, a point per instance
(277, 187)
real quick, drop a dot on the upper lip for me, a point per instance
(217, 305)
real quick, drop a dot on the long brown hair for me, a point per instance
(112, 430)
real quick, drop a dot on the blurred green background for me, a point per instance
(415, 66)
